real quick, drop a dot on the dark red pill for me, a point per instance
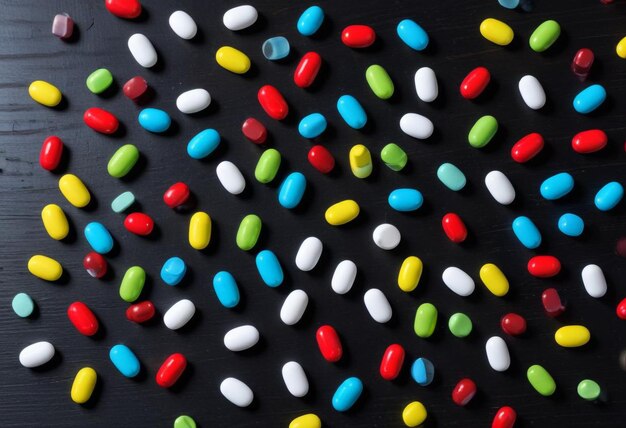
(621, 309)
(513, 324)
(82, 318)
(329, 343)
(273, 102)
(358, 36)
(139, 224)
(454, 228)
(176, 195)
(254, 130)
(463, 392)
(135, 88)
(544, 266)
(527, 147)
(307, 70)
(620, 247)
(552, 303)
(171, 370)
(51, 152)
(505, 418)
(589, 141)
(127, 9)
(392, 362)
(475, 83)
(101, 120)
(140, 312)
(95, 264)
(582, 62)
(321, 159)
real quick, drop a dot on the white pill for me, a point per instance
(343, 277)
(594, 280)
(142, 50)
(183, 25)
(240, 17)
(458, 281)
(426, 84)
(294, 306)
(498, 354)
(309, 253)
(386, 236)
(295, 379)
(179, 314)
(230, 177)
(236, 392)
(241, 338)
(193, 101)
(500, 187)
(37, 354)
(377, 305)
(532, 92)
(416, 126)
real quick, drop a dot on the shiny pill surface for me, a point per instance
(171, 370)
(269, 268)
(233, 60)
(51, 153)
(292, 190)
(475, 83)
(98, 237)
(45, 268)
(458, 281)
(329, 343)
(416, 126)
(193, 101)
(426, 84)
(342, 212)
(343, 277)
(230, 177)
(391, 362)
(37, 354)
(351, 111)
(173, 271)
(295, 379)
(377, 305)
(142, 50)
(321, 159)
(412, 34)
(410, 273)
(594, 280)
(358, 36)
(74, 190)
(273, 102)
(307, 69)
(226, 289)
(101, 120)
(183, 25)
(496, 31)
(179, 314)
(497, 354)
(132, 284)
(267, 166)
(240, 17)
(55, 222)
(308, 23)
(347, 393)
(379, 81)
(83, 385)
(125, 360)
(254, 130)
(203, 143)
(123, 161)
(236, 392)
(95, 264)
(45, 93)
(293, 307)
(309, 253)
(83, 319)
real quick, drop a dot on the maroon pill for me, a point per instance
(254, 130)
(513, 324)
(620, 247)
(552, 303)
(582, 62)
(135, 87)
(62, 26)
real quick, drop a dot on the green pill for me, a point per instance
(588, 390)
(483, 131)
(267, 166)
(184, 421)
(23, 305)
(132, 284)
(122, 202)
(545, 35)
(541, 380)
(451, 177)
(379, 81)
(460, 325)
(425, 320)
(248, 232)
(99, 80)
(394, 157)
(123, 160)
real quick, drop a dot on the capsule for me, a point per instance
(125, 360)
(475, 83)
(241, 338)
(358, 36)
(582, 62)
(589, 141)
(122, 202)
(127, 9)
(23, 305)
(236, 392)
(295, 379)
(254, 130)
(83, 319)
(410, 273)
(132, 284)
(248, 232)
(293, 307)
(572, 336)
(394, 157)
(405, 200)
(140, 312)
(621, 309)
(347, 394)
(526, 232)
(193, 101)
(142, 50)
(63, 26)
(74, 190)
(423, 371)
(309, 22)
(454, 228)
(609, 196)
(312, 126)
(232, 60)
(309, 253)
(458, 281)
(620, 49)
(589, 99)
(540, 380)
(173, 271)
(544, 35)
(513, 324)
(532, 92)
(504, 418)
(99, 81)
(45, 268)
(594, 280)
(55, 222)
(342, 212)
(494, 279)
(392, 361)
(292, 190)
(498, 354)
(463, 392)
(171, 370)
(307, 69)
(527, 147)
(199, 230)
(377, 305)
(273, 102)
(379, 81)
(500, 187)
(45, 93)
(321, 159)
(483, 131)
(416, 126)
(552, 303)
(179, 314)
(99, 237)
(83, 385)
(414, 414)
(101, 120)
(343, 277)
(544, 266)
(269, 268)
(135, 88)
(267, 166)
(360, 161)
(412, 34)
(95, 264)
(329, 343)
(240, 17)
(425, 320)
(225, 287)
(176, 195)
(183, 25)
(123, 161)
(557, 186)
(230, 177)
(451, 177)
(154, 120)
(351, 111)
(203, 144)
(496, 31)
(36, 354)
(51, 153)
(426, 84)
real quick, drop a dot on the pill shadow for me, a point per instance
(255, 350)
(54, 362)
(63, 105)
(137, 170)
(259, 26)
(346, 357)
(559, 46)
(187, 279)
(64, 163)
(75, 37)
(431, 49)
(183, 380)
(325, 29)
(211, 109)
(172, 131)
(72, 235)
(602, 110)
(220, 151)
(515, 45)
(439, 103)
(488, 94)
(149, 96)
(145, 291)
(370, 125)
(361, 403)
(376, 47)
(160, 65)
(64, 279)
(144, 15)
(308, 317)
(243, 300)
(111, 91)
(293, 116)
(154, 236)
(190, 205)
(35, 314)
(95, 395)
(198, 39)
(108, 275)
(142, 375)
(307, 201)
(101, 333)
(214, 242)
(498, 140)
(194, 322)
(322, 77)
(252, 73)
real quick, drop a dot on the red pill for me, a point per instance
(321, 159)
(273, 102)
(544, 266)
(552, 303)
(392, 361)
(95, 264)
(589, 141)
(82, 318)
(51, 152)
(128, 9)
(329, 343)
(475, 83)
(620, 247)
(140, 312)
(254, 130)
(454, 228)
(100, 120)
(135, 88)
(139, 224)
(358, 36)
(582, 62)
(463, 392)
(307, 70)
(171, 370)
(176, 195)
(527, 147)
(621, 309)
(513, 324)
(505, 418)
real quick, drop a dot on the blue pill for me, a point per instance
(312, 126)
(609, 196)
(310, 21)
(557, 186)
(589, 99)
(124, 360)
(423, 371)
(99, 237)
(411, 33)
(226, 289)
(291, 190)
(203, 144)
(173, 270)
(347, 393)
(154, 120)
(509, 4)
(405, 199)
(571, 224)
(269, 268)
(527, 233)
(351, 111)
(275, 48)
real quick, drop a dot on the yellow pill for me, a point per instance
(572, 336)
(410, 273)
(83, 385)
(55, 222)
(621, 48)
(199, 230)
(309, 420)
(496, 31)
(360, 161)
(74, 190)
(414, 414)
(494, 279)
(342, 212)
(232, 60)
(45, 268)
(45, 93)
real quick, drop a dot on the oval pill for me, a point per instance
(351, 111)
(123, 161)
(391, 362)
(386, 236)
(293, 307)
(132, 284)
(526, 232)
(95, 264)
(248, 232)
(425, 320)
(414, 414)
(360, 161)
(173, 271)
(505, 417)
(45, 268)
(342, 212)
(458, 281)
(74, 190)
(589, 141)
(582, 62)
(179, 314)
(377, 305)
(405, 200)
(183, 25)
(232, 60)
(494, 279)
(309, 253)
(55, 222)
(273, 102)
(176, 195)
(140, 312)
(230, 177)
(139, 223)
(236, 392)
(483, 131)
(240, 17)
(241, 338)
(99, 80)
(254, 130)
(203, 144)
(45, 93)
(343, 277)
(347, 394)
(552, 303)
(51, 153)
(329, 343)
(589, 99)
(416, 126)
(475, 83)
(171, 370)
(63, 26)
(609, 196)
(532, 92)
(269, 268)
(426, 84)
(267, 166)
(199, 230)
(412, 34)
(379, 81)
(513, 324)
(127, 9)
(275, 48)
(620, 49)
(454, 228)
(154, 120)
(101, 120)
(37, 354)
(498, 354)
(83, 319)
(496, 31)
(307, 69)
(571, 224)
(193, 101)
(527, 147)
(23, 305)
(410, 273)
(83, 385)
(135, 88)
(99, 237)
(295, 379)
(321, 159)
(451, 176)
(545, 35)
(226, 289)
(309, 22)
(544, 266)
(142, 50)
(463, 392)
(423, 371)
(500, 187)
(394, 157)
(358, 36)
(557, 186)
(292, 190)
(594, 280)
(312, 126)
(125, 360)
(540, 380)
(588, 390)
(572, 336)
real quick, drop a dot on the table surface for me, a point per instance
(29, 52)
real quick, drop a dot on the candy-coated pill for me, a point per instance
(351, 111)
(132, 283)
(360, 161)
(460, 325)
(241, 338)
(414, 414)
(609, 196)
(248, 232)
(540, 379)
(392, 361)
(74, 190)
(199, 230)
(179, 314)
(494, 279)
(416, 126)
(240, 17)
(122, 161)
(183, 25)
(343, 277)
(37, 354)
(458, 281)
(412, 34)
(173, 270)
(410, 273)
(329, 343)
(309, 253)
(236, 392)
(620, 49)
(496, 31)
(99, 237)
(386, 236)
(95, 264)
(312, 126)
(526, 232)
(557, 186)
(135, 87)
(154, 120)
(309, 22)
(589, 141)
(498, 354)
(527, 148)
(99, 80)
(101, 120)
(226, 289)
(379, 81)
(358, 36)
(394, 157)
(122, 202)
(451, 176)
(193, 101)
(307, 69)
(405, 200)
(423, 371)
(171, 370)
(454, 228)
(310, 420)
(509, 4)
(544, 266)
(51, 152)
(295, 379)
(140, 312)
(275, 48)
(475, 83)
(544, 35)
(321, 159)
(23, 305)
(127, 9)
(203, 144)
(588, 390)
(532, 92)
(45, 93)
(176, 195)
(273, 102)
(589, 99)
(342, 212)
(552, 303)
(83, 318)
(142, 50)
(377, 305)
(55, 222)
(291, 190)
(500, 187)
(582, 62)
(232, 60)
(426, 84)
(293, 307)
(230, 177)
(184, 421)
(504, 418)
(62, 26)
(513, 324)
(254, 130)
(347, 394)
(594, 280)
(83, 385)
(571, 224)
(425, 320)
(125, 360)
(620, 247)
(463, 392)
(572, 336)
(267, 166)
(45, 268)
(483, 131)
(269, 268)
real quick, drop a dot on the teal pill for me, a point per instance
(275, 48)
(154, 120)
(347, 394)
(412, 34)
(405, 200)
(23, 305)
(122, 202)
(203, 144)
(423, 371)
(312, 126)
(291, 190)
(509, 4)
(310, 21)
(269, 268)
(173, 270)
(98, 237)
(589, 99)
(351, 111)
(451, 177)
(226, 289)
(124, 360)
(557, 186)
(571, 224)
(609, 196)
(526, 232)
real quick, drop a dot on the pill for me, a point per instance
(458, 281)
(295, 379)
(203, 144)
(343, 277)
(423, 371)
(193, 101)
(98, 237)
(232, 59)
(122, 202)
(377, 305)
(589, 141)
(544, 35)
(125, 360)
(101, 120)
(241, 338)
(527, 147)
(309, 22)
(312, 126)
(460, 325)
(504, 418)
(99, 80)
(176, 195)
(414, 414)
(342, 212)
(500, 187)
(95, 264)
(620, 247)
(82, 318)
(498, 354)
(321, 159)
(360, 161)
(496, 31)
(589, 99)
(199, 230)
(494, 279)
(135, 88)
(394, 157)
(51, 153)
(132, 283)
(45, 93)
(309, 253)
(183, 25)
(236, 392)
(509, 4)
(572, 336)
(307, 69)
(173, 271)
(272, 102)
(140, 312)
(171, 370)
(620, 49)
(532, 92)
(37, 354)
(123, 161)
(184, 421)
(588, 390)
(293, 307)
(557, 186)
(329, 343)
(544, 266)
(483, 131)
(552, 303)
(310, 420)
(425, 320)
(582, 62)
(391, 362)
(22, 305)
(412, 34)
(379, 81)
(351, 111)
(526, 232)
(513, 324)
(358, 36)
(55, 222)
(254, 130)
(347, 393)
(267, 166)
(609, 196)
(45, 268)
(416, 126)
(230, 177)
(275, 48)
(83, 385)
(451, 176)
(248, 232)
(142, 50)
(571, 224)
(154, 120)
(594, 280)
(127, 9)
(269, 268)
(226, 289)
(475, 83)
(426, 84)
(240, 17)
(386, 236)
(463, 392)
(454, 228)
(179, 314)
(410, 273)
(405, 200)
(291, 190)
(540, 380)
(62, 26)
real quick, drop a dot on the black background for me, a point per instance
(29, 52)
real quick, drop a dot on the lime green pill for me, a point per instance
(394, 157)
(123, 160)
(545, 35)
(248, 232)
(23, 305)
(425, 320)
(379, 81)
(541, 380)
(99, 80)
(483, 131)
(122, 202)
(460, 325)
(132, 283)
(588, 390)
(184, 421)
(267, 166)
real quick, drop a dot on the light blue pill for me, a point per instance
(405, 199)
(509, 4)
(312, 126)
(269, 268)
(173, 270)
(23, 305)
(154, 120)
(411, 33)
(423, 371)
(571, 224)
(526, 232)
(589, 99)
(557, 186)
(99, 237)
(122, 202)
(451, 177)
(226, 289)
(291, 190)
(124, 360)
(203, 143)
(347, 394)
(275, 48)
(609, 196)
(351, 111)
(310, 21)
